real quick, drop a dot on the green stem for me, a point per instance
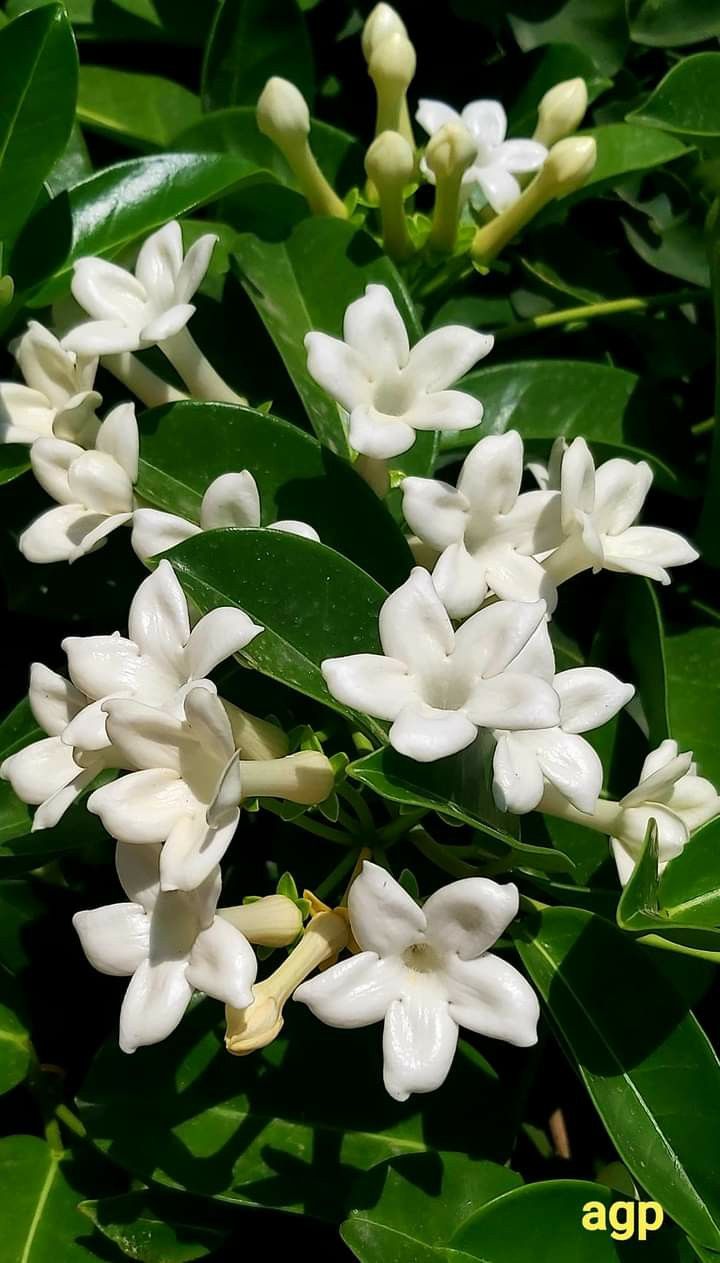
(440, 856)
(323, 831)
(399, 827)
(359, 806)
(593, 311)
(340, 871)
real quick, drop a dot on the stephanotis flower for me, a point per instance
(525, 762)
(94, 489)
(389, 390)
(498, 161)
(598, 511)
(425, 972)
(230, 500)
(129, 311)
(487, 534)
(169, 944)
(188, 783)
(58, 399)
(437, 685)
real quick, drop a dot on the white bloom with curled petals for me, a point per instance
(57, 400)
(598, 510)
(497, 161)
(129, 311)
(671, 793)
(487, 534)
(170, 944)
(426, 972)
(388, 390)
(437, 685)
(230, 500)
(94, 489)
(524, 763)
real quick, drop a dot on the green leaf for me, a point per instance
(249, 42)
(654, 1082)
(693, 669)
(313, 603)
(677, 251)
(689, 889)
(23, 848)
(457, 787)
(687, 100)
(45, 1224)
(598, 27)
(153, 1227)
(110, 210)
(281, 1128)
(642, 629)
(408, 1209)
(185, 446)
(20, 906)
(37, 107)
(15, 1049)
(557, 63)
(14, 461)
(18, 729)
(145, 111)
(625, 147)
(72, 166)
(709, 528)
(683, 905)
(301, 273)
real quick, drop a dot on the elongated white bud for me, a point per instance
(448, 155)
(561, 111)
(255, 738)
(390, 163)
(380, 23)
(283, 116)
(305, 778)
(569, 164)
(391, 68)
(274, 921)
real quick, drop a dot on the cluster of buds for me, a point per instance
(481, 180)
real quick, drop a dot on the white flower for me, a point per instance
(525, 761)
(169, 943)
(598, 510)
(437, 685)
(187, 788)
(547, 476)
(57, 400)
(487, 534)
(498, 160)
(94, 489)
(130, 312)
(671, 793)
(389, 390)
(230, 500)
(425, 972)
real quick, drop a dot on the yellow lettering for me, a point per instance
(646, 1225)
(622, 1220)
(594, 1219)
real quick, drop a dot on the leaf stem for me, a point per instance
(400, 826)
(323, 831)
(593, 311)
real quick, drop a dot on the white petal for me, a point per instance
(143, 806)
(572, 766)
(538, 655)
(40, 769)
(517, 777)
(77, 422)
(103, 337)
(159, 262)
(434, 510)
(51, 811)
(154, 532)
(138, 868)
(500, 187)
(375, 329)
(231, 500)
(589, 697)
(97, 481)
(621, 487)
(155, 1001)
(660, 757)
(467, 917)
(106, 291)
(520, 156)
(492, 472)
(516, 578)
(432, 115)
(446, 354)
(577, 482)
(657, 785)
(425, 734)
(383, 916)
(291, 527)
(209, 723)
(444, 410)
(167, 324)
(51, 461)
(116, 938)
(625, 860)
(53, 700)
(487, 122)
(146, 737)
(355, 992)
(460, 580)
(378, 435)
(513, 701)
(647, 550)
(419, 1042)
(338, 369)
(370, 683)
(414, 625)
(217, 636)
(223, 809)
(100, 665)
(223, 965)
(45, 365)
(192, 851)
(489, 641)
(194, 267)
(57, 534)
(158, 620)
(118, 437)
(93, 531)
(25, 414)
(533, 525)
(491, 997)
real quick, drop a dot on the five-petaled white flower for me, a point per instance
(58, 399)
(230, 500)
(525, 761)
(169, 943)
(487, 534)
(498, 161)
(598, 511)
(425, 972)
(389, 390)
(130, 312)
(94, 489)
(671, 793)
(437, 685)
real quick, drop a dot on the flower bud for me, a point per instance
(282, 112)
(255, 738)
(380, 23)
(274, 921)
(392, 63)
(569, 163)
(390, 164)
(450, 151)
(561, 111)
(305, 778)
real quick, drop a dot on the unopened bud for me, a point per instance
(393, 63)
(569, 163)
(282, 112)
(306, 778)
(274, 921)
(390, 164)
(380, 23)
(255, 738)
(450, 151)
(561, 111)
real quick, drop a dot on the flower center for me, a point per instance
(393, 395)
(421, 958)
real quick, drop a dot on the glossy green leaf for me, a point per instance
(673, 22)
(625, 147)
(693, 669)
(14, 461)
(408, 1209)
(185, 446)
(301, 273)
(15, 1050)
(642, 629)
(38, 87)
(250, 41)
(45, 1224)
(457, 787)
(18, 729)
(72, 166)
(655, 1082)
(709, 528)
(112, 209)
(312, 602)
(677, 251)
(145, 111)
(689, 889)
(152, 1227)
(280, 1128)
(687, 100)
(599, 27)
(183, 22)
(557, 63)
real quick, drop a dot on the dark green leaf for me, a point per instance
(598, 27)
(251, 41)
(709, 529)
(153, 1227)
(625, 147)
(689, 889)
(677, 251)
(672, 22)
(45, 1225)
(693, 669)
(143, 110)
(557, 63)
(15, 1050)
(687, 100)
(643, 632)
